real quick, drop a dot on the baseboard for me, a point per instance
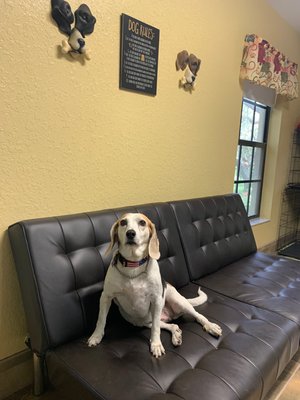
(16, 372)
(270, 248)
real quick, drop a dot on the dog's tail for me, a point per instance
(197, 301)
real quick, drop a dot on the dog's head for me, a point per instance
(190, 63)
(135, 235)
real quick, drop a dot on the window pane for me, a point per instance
(250, 156)
(254, 199)
(247, 121)
(243, 191)
(257, 163)
(237, 160)
(246, 161)
(259, 124)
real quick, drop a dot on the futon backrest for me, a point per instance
(61, 264)
(215, 231)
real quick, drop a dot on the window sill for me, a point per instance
(258, 221)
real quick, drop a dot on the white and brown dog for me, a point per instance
(134, 283)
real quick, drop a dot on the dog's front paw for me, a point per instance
(87, 54)
(94, 340)
(65, 47)
(213, 329)
(157, 349)
(182, 81)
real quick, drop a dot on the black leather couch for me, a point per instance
(253, 296)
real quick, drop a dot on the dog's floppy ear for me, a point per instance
(113, 237)
(84, 20)
(153, 242)
(62, 14)
(194, 64)
(182, 60)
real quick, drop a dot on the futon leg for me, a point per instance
(38, 371)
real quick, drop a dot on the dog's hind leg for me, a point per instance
(180, 305)
(210, 327)
(176, 332)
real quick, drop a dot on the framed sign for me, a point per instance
(139, 55)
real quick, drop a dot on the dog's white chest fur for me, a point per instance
(134, 303)
(134, 290)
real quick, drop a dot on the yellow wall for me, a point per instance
(71, 141)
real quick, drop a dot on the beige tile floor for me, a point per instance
(286, 388)
(288, 385)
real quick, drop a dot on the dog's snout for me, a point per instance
(130, 233)
(81, 43)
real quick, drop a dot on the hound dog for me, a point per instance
(191, 65)
(134, 283)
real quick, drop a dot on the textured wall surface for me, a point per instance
(71, 141)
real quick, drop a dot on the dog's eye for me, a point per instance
(123, 222)
(142, 222)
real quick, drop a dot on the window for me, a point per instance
(251, 152)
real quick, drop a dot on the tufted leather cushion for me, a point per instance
(220, 253)
(61, 264)
(269, 282)
(243, 364)
(215, 232)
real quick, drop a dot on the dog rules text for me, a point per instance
(139, 55)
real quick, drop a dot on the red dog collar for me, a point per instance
(128, 263)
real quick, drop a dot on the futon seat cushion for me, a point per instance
(269, 282)
(243, 364)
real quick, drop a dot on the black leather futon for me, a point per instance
(253, 296)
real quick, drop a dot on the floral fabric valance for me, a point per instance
(264, 65)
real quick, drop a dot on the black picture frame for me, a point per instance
(139, 56)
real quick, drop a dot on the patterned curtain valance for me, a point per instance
(264, 65)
